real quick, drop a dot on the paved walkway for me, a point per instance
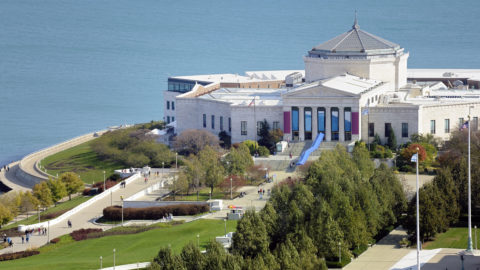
(11, 180)
(84, 218)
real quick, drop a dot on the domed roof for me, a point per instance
(356, 41)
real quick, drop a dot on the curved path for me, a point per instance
(83, 218)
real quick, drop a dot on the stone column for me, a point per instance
(301, 124)
(341, 124)
(314, 123)
(328, 124)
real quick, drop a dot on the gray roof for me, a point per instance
(356, 40)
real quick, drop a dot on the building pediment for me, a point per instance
(317, 91)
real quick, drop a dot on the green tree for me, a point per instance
(72, 182)
(193, 171)
(28, 202)
(192, 257)
(42, 192)
(166, 260)
(215, 256)
(5, 215)
(392, 140)
(225, 139)
(212, 167)
(238, 160)
(251, 238)
(58, 189)
(265, 137)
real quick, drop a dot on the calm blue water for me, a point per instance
(72, 67)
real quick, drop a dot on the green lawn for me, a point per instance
(453, 238)
(203, 195)
(82, 160)
(132, 248)
(67, 205)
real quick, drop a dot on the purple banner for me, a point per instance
(355, 123)
(286, 122)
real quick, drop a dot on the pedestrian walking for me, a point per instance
(23, 239)
(28, 237)
(69, 223)
(290, 155)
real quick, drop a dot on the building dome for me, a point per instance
(355, 42)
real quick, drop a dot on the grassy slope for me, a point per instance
(453, 238)
(82, 160)
(129, 248)
(67, 205)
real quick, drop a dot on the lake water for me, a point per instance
(73, 67)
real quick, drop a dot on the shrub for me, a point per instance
(86, 192)
(55, 240)
(115, 177)
(81, 234)
(18, 255)
(115, 212)
(252, 146)
(263, 151)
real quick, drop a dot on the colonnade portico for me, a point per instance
(314, 122)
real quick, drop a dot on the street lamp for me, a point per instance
(225, 220)
(121, 198)
(48, 231)
(104, 186)
(163, 167)
(176, 159)
(469, 247)
(230, 188)
(417, 160)
(113, 259)
(38, 213)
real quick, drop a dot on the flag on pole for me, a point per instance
(464, 126)
(365, 111)
(252, 103)
(414, 158)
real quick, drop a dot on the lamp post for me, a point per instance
(339, 252)
(163, 167)
(469, 247)
(38, 213)
(111, 198)
(418, 215)
(176, 160)
(101, 262)
(230, 188)
(113, 259)
(104, 186)
(225, 220)
(48, 231)
(121, 198)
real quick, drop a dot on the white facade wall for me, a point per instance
(169, 113)
(441, 112)
(190, 113)
(394, 115)
(252, 115)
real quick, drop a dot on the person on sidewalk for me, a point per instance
(69, 223)
(23, 239)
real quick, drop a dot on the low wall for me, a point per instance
(75, 210)
(144, 204)
(146, 191)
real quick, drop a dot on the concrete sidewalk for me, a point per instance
(84, 218)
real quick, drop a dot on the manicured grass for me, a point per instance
(82, 160)
(67, 205)
(132, 248)
(203, 195)
(453, 238)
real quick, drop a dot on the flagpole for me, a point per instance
(418, 218)
(469, 247)
(368, 126)
(256, 124)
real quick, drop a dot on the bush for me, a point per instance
(55, 240)
(115, 177)
(18, 255)
(252, 146)
(149, 213)
(86, 192)
(81, 234)
(263, 151)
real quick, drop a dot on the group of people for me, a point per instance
(123, 184)
(5, 168)
(261, 192)
(7, 240)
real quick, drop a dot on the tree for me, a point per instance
(192, 257)
(392, 140)
(251, 238)
(72, 182)
(192, 141)
(225, 139)
(180, 183)
(28, 202)
(212, 167)
(43, 193)
(193, 171)
(5, 215)
(238, 160)
(58, 189)
(276, 135)
(265, 137)
(166, 260)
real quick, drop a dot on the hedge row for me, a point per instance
(82, 234)
(115, 212)
(18, 255)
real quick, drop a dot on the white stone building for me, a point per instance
(354, 86)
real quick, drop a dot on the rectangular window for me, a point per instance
(276, 125)
(243, 127)
(447, 125)
(334, 123)
(173, 105)
(347, 115)
(321, 119)
(213, 121)
(221, 123)
(173, 119)
(371, 129)
(229, 124)
(475, 124)
(295, 119)
(259, 127)
(432, 126)
(388, 129)
(168, 105)
(404, 130)
(204, 120)
(168, 119)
